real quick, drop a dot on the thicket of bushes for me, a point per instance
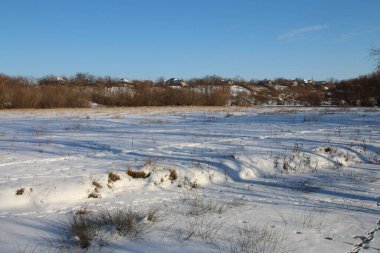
(83, 89)
(20, 93)
(361, 91)
(163, 96)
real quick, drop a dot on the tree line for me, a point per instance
(84, 90)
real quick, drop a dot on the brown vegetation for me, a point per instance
(83, 89)
(94, 195)
(20, 191)
(113, 177)
(173, 175)
(137, 174)
(97, 184)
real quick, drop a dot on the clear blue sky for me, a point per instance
(146, 39)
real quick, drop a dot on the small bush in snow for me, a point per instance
(205, 229)
(173, 175)
(82, 229)
(124, 220)
(256, 239)
(96, 229)
(237, 202)
(20, 191)
(97, 184)
(200, 206)
(113, 177)
(137, 174)
(310, 218)
(306, 218)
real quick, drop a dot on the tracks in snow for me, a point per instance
(365, 240)
(46, 160)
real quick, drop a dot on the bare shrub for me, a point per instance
(96, 229)
(306, 218)
(29, 249)
(237, 202)
(200, 206)
(205, 229)
(83, 229)
(310, 218)
(256, 239)
(125, 220)
(137, 174)
(148, 162)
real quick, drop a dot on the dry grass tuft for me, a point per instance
(202, 228)
(126, 221)
(82, 229)
(96, 229)
(200, 206)
(148, 162)
(188, 184)
(257, 239)
(82, 211)
(152, 215)
(137, 174)
(20, 191)
(173, 175)
(95, 194)
(97, 184)
(113, 177)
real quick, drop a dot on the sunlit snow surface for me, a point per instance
(312, 174)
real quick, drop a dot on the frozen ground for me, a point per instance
(248, 179)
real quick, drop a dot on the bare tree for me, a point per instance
(375, 52)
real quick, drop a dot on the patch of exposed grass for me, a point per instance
(137, 174)
(94, 194)
(20, 191)
(113, 177)
(125, 220)
(88, 229)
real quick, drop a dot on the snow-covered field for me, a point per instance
(247, 179)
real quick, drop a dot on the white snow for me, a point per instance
(311, 175)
